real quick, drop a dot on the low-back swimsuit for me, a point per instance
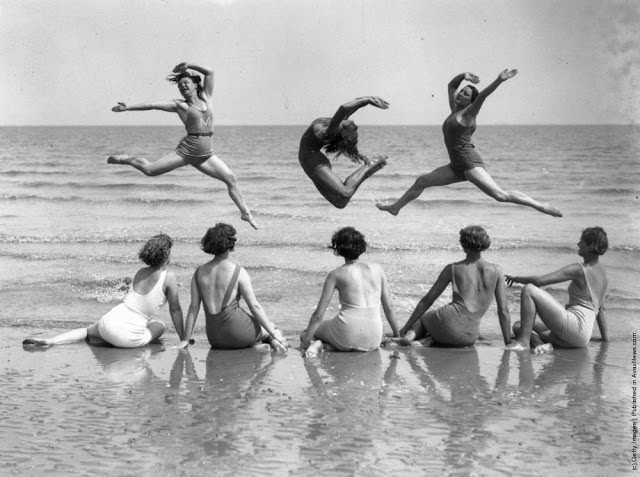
(232, 327)
(125, 325)
(197, 145)
(454, 324)
(462, 152)
(580, 315)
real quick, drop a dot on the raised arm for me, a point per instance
(385, 298)
(246, 291)
(569, 272)
(347, 109)
(317, 315)
(206, 72)
(503, 307)
(473, 109)
(423, 305)
(170, 107)
(455, 83)
(175, 310)
(192, 314)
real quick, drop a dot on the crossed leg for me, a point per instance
(535, 301)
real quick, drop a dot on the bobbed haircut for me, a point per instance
(218, 239)
(596, 239)
(474, 238)
(156, 250)
(348, 243)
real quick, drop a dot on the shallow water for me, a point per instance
(70, 227)
(78, 409)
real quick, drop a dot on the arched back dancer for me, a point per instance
(338, 135)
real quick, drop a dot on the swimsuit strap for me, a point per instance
(586, 279)
(231, 287)
(453, 279)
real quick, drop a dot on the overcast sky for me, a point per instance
(67, 62)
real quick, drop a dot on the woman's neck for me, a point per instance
(473, 256)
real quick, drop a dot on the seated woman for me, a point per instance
(474, 282)
(130, 324)
(570, 326)
(361, 288)
(219, 284)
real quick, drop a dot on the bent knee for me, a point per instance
(529, 289)
(500, 196)
(230, 179)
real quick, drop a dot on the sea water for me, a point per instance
(70, 229)
(71, 225)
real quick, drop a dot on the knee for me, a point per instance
(230, 179)
(500, 196)
(528, 290)
(421, 182)
(516, 327)
(339, 202)
(149, 170)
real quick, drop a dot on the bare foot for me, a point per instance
(247, 217)
(118, 159)
(387, 208)
(313, 349)
(543, 348)
(35, 342)
(550, 210)
(517, 346)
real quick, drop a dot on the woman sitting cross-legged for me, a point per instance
(361, 288)
(475, 283)
(219, 284)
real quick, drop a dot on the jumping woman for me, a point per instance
(338, 135)
(466, 164)
(196, 148)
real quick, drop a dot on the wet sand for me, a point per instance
(80, 409)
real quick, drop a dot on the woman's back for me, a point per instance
(213, 281)
(474, 284)
(359, 284)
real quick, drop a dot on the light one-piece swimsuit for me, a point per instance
(354, 328)
(580, 315)
(125, 325)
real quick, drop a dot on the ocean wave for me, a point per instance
(31, 172)
(110, 185)
(28, 197)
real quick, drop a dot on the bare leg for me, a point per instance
(417, 332)
(72, 336)
(534, 300)
(216, 168)
(150, 168)
(481, 179)
(441, 176)
(336, 191)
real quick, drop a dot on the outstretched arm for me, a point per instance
(170, 107)
(470, 113)
(454, 84)
(385, 298)
(318, 314)
(569, 272)
(347, 109)
(423, 305)
(246, 291)
(503, 307)
(206, 72)
(192, 314)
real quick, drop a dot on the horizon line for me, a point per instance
(303, 125)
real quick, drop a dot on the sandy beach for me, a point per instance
(81, 409)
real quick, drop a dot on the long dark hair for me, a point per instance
(342, 146)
